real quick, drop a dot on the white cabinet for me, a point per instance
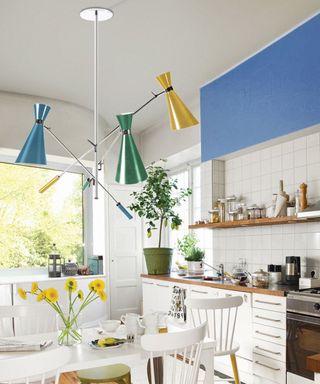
(260, 329)
(269, 338)
(148, 294)
(243, 331)
(162, 296)
(157, 295)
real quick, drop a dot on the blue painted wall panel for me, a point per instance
(274, 93)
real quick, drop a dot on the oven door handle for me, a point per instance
(303, 318)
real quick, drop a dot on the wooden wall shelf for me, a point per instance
(253, 222)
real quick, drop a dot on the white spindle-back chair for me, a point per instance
(221, 316)
(35, 367)
(180, 354)
(22, 320)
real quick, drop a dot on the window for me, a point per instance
(30, 222)
(190, 210)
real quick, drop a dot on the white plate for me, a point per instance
(102, 348)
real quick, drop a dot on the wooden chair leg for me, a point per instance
(235, 369)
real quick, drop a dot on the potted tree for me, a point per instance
(155, 203)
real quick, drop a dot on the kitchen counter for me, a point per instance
(274, 290)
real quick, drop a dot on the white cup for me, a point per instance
(150, 323)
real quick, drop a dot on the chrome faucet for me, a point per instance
(220, 270)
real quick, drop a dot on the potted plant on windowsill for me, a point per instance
(155, 203)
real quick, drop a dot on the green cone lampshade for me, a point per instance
(130, 168)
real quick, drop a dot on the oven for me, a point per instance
(303, 333)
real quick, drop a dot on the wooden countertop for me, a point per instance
(313, 363)
(274, 290)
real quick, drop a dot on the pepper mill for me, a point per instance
(303, 196)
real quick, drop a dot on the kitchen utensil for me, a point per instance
(70, 268)
(149, 323)
(260, 279)
(131, 321)
(110, 325)
(293, 269)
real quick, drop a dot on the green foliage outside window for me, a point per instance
(30, 222)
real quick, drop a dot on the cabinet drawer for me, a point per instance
(270, 318)
(270, 369)
(198, 291)
(271, 303)
(274, 335)
(272, 350)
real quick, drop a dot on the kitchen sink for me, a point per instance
(201, 278)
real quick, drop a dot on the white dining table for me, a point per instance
(83, 356)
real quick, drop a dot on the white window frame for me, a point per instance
(58, 163)
(182, 168)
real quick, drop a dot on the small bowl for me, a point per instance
(110, 325)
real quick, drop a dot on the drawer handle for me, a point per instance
(267, 366)
(267, 350)
(163, 285)
(145, 282)
(266, 302)
(193, 290)
(267, 334)
(228, 295)
(267, 318)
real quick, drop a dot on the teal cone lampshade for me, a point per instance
(33, 151)
(130, 168)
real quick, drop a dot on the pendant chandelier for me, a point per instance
(130, 168)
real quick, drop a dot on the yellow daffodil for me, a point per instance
(102, 295)
(97, 285)
(34, 288)
(91, 286)
(52, 295)
(80, 295)
(22, 293)
(41, 296)
(71, 285)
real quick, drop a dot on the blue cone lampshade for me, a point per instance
(130, 168)
(33, 151)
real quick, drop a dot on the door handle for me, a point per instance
(145, 282)
(267, 334)
(267, 366)
(266, 302)
(267, 318)
(267, 350)
(193, 290)
(163, 285)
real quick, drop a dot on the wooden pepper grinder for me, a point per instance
(303, 196)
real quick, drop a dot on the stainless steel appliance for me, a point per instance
(303, 330)
(292, 269)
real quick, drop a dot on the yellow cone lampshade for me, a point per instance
(180, 116)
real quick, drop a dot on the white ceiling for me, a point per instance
(46, 49)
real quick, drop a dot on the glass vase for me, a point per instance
(69, 331)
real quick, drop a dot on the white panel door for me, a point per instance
(124, 255)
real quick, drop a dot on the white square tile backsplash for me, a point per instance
(255, 176)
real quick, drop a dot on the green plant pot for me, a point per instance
(158, 260)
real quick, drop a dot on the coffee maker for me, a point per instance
(293, 269)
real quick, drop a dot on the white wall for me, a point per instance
(160, 142)
(256, 176)
(72, 123)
